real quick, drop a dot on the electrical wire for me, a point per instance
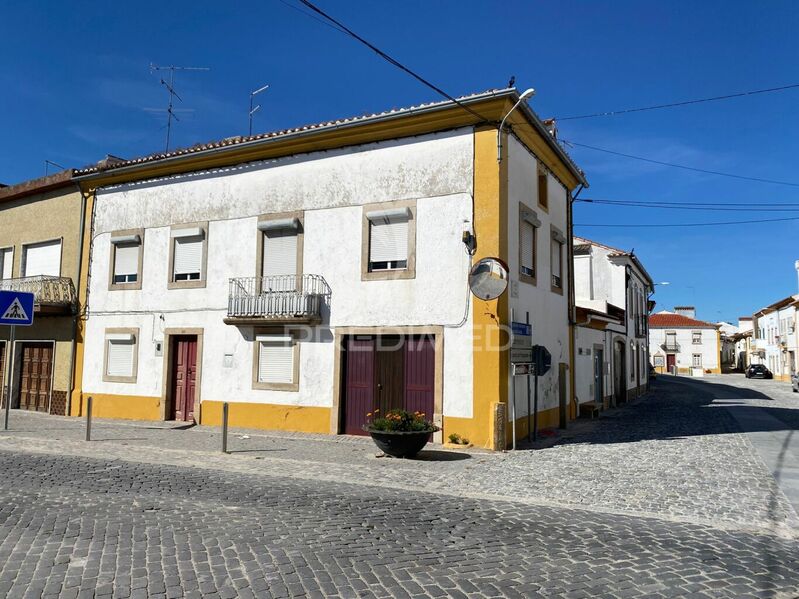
(682, 166)
(710, 208)
(711, 224)
(391, 60)
(683, 103)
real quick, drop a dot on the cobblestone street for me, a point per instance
(674, 495)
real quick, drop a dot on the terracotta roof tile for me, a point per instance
(662, 320)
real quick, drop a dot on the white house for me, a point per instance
(776, 341)
(612, 290)
(681, 344)
(309, 277)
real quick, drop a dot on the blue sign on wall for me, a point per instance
(16, 308)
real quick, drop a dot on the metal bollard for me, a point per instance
(89, 418)
(224, 426)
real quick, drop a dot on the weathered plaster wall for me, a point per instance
(330, 187)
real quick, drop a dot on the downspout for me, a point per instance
(76, 317)
(570, 304)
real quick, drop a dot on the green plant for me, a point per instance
(400, 421)
(465, 441)
(454, 438)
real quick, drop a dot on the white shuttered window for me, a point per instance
(6, 260)
(42, 259)
(527, 242)
(126, 262)
(188, 259)
(119, 361)
(280, 258)
(275, 359)
(388, 245)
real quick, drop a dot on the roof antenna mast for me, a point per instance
(170, 86)
(252, 97)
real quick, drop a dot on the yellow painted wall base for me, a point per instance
(305, 419)
(124, 407)
(479, 433)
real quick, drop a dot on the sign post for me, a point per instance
(542, 361)
(16, 309)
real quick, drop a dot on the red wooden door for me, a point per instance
(420, 376)
(37, 376)
(359, 383)
(671, 360)
(389, 369)
(184, 377)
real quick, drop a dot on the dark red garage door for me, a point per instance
(387, 372)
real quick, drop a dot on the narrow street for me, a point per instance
(688, 492)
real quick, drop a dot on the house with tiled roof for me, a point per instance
(612, 290)
(309, 276)
(680, 343)
(776, 337)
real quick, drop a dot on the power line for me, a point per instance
(310, 16)
(391, 60)
(710, 224)
(748, 207)
(682, 166)
(684, 103)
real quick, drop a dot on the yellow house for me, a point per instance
(41, 252)
(311, 275)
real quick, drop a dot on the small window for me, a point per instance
(528, 241)
(543, 189)
(121, 349)
(389, 237)
(126, 248)
(557, 264)
(275, 362)
(187, 257)
(696, 360)
(6, 262)
(696, 337)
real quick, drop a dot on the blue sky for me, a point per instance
(76, 85)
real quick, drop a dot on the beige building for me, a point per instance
(40, 232)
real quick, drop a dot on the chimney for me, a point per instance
(688, 311)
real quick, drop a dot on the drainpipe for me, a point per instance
(571, 301)
(76, 317)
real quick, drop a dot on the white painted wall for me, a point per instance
(331, 188)
(708, 348)
(586, 342)
(548, 310)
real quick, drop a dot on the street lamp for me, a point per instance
(528, 93)
(254, 110)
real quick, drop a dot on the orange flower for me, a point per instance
(369, 415)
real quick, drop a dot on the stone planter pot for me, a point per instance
(400, 444)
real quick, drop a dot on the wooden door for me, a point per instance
(390, 373)
(420, 376)
(184, 377)
(599, 376)
(671, 360)
(619, 373)
(359, 383)
(36, 376)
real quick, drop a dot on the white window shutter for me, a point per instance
(126, 259)
(6, 260)
(280, 252)
(388, 242)
(527, 246)
(120, 357)
(42, 259)
(275, 360)
(188, 255)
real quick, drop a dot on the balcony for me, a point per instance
(671, 345)
(280, 299)
(52, 295)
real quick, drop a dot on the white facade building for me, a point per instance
(776, 340)
(308, 289)
(612, 290)
(681, 344)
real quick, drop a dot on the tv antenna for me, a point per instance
(252, 96)
(48, 164)
(170, 86)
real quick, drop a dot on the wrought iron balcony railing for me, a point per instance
(671, 346)
(279, 298)
(58, 292)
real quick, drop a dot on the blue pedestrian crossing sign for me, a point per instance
(16, 308)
